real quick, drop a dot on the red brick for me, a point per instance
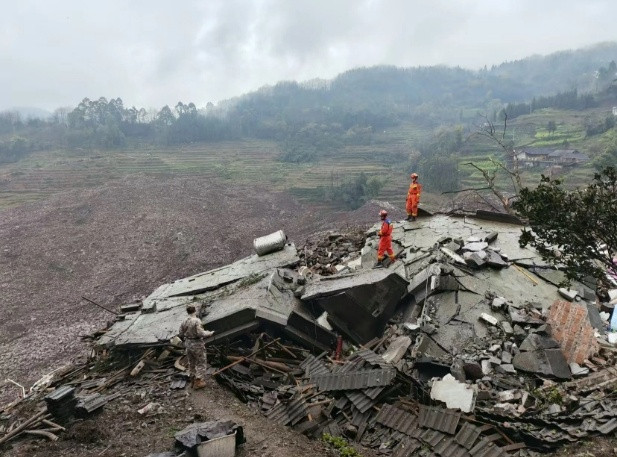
(571, 328)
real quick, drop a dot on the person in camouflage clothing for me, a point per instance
(193, 334)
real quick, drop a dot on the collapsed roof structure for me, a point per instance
(466, 345)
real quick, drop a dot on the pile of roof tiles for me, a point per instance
(365, 399)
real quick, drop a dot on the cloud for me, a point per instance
(152, 53)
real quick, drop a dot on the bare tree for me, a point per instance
(509, 166)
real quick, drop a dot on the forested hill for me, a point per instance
(310, 120)
(429, 94)
(564, 70)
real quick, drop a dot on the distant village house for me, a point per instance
(533, 157)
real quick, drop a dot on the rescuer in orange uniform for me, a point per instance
(413, 197)
(385, 239)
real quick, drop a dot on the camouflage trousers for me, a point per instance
(196, 355)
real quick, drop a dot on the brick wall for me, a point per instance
(571, 328)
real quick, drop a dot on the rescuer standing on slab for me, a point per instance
(413, 197)
(193, 334)
(385, 239)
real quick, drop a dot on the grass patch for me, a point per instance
(341, 445)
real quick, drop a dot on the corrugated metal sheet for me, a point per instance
(397, 419)
(361, 401)
(60, 394)
(608, 427)
(370, 357)
(444, 420)
(288, 413)
(354, 380)
(91, 403)
(341, 403)
(359, 418)
(406, 447)
(178, 384)
(486, 448)
(373, 392)
(467, 435)
(450, 448)
(312, 366)
(432, 437)
(351, 365)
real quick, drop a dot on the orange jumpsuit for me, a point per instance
(385, 240)
(413, 198)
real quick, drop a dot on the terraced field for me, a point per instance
(242, 162)
(255, 162)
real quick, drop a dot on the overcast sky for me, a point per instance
(154, 52)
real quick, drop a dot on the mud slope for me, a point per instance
(117, 243)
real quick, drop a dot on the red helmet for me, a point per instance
(414, 175)
(383, 213)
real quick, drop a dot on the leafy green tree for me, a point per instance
(575, 229)
(608, 158)
(440, 173)
(355, 192)
(551, 127)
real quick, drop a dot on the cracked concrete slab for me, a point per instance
(243, 268)
(359, 304)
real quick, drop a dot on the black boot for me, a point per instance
(413, 218)
(408, 217)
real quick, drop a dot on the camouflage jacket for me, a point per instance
(192, 329)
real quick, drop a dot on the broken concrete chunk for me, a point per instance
(495, 361)
(444, 283)
(506, 357)
(509, 395)
(491, 237)
(454, 256)
(488, 318)
(498, 303)
(454, 394)
(506, 368)
(535, 342)
(193, 435)
(506, 327)
(568, 294)
(495, 260)
(486, 367)
(577, 370)
(475, 259)
(397, 349)
(452, 246)
(521, 317)
(475, 247)
(411, 327)
(548, 362)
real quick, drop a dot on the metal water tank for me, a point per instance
(270, 243)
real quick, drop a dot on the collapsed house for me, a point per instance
(466, 345)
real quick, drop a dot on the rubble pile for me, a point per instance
(465, 345)
(333, 252)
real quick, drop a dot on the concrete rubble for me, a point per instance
(466, 317)
(464, 345)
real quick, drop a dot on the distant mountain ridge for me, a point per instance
(430, 92)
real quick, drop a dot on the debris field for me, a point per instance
(466, 345)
